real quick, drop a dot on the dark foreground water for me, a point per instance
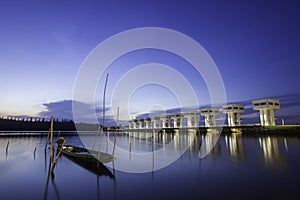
(239, 167)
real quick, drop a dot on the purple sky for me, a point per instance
(255, 45)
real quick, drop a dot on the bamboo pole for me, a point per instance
(57, 156)
(107, 138)
(104, 92)
(153, 135)
(55, 188)
(96, 136)
(103, 116)
(47, 184)
(130, 150)
(34, 152)
(47, 139)
(98, 187)
(106, 145)
(7, 146)
(116, 134)
(51, 137)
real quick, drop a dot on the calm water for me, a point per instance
(239, 167)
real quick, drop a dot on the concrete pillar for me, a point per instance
(177, 120)
(233, 112)
(230, 119)
(135, 125)
(267, 109)
(181, 122)
(169, 122)
(142, 123)
(148, 123)
(131, 125)
(153, 123)
(189, 122)
(262, 117)
(174, 122)
(163, 119)
(139, 125)
(210, 115)
(210, 120)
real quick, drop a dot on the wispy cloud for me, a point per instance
(60, 109)
(250, 115)
(85, 112)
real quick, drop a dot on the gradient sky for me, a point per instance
(255, 45)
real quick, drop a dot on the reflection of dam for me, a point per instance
(269, 149)
(271, 152)
(179, 140)
(234, 143)
(209, 143)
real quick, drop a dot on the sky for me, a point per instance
(43, 44)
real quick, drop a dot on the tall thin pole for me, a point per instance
(47, 139)
(57, 156)
(103, 116)
(7, 146)
(116, 134)
(51, 137)
(103, 106)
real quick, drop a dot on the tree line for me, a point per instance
(32, 124)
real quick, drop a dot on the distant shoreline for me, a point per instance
(9, 125)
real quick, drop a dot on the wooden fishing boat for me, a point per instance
(88, 159)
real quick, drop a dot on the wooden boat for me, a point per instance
(88, 159)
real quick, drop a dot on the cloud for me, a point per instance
(60, 109)
(63, 110)
(250, 115)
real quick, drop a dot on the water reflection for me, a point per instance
(271, 152)
(151, 150)
(234, 144)
(210, 144)
(49, 174)
(51, 165)
(187, 174)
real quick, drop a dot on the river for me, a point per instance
(237, 167)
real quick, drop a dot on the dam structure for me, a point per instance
(233, 112)
(191, 119)
(267, 109)
(210, 116)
